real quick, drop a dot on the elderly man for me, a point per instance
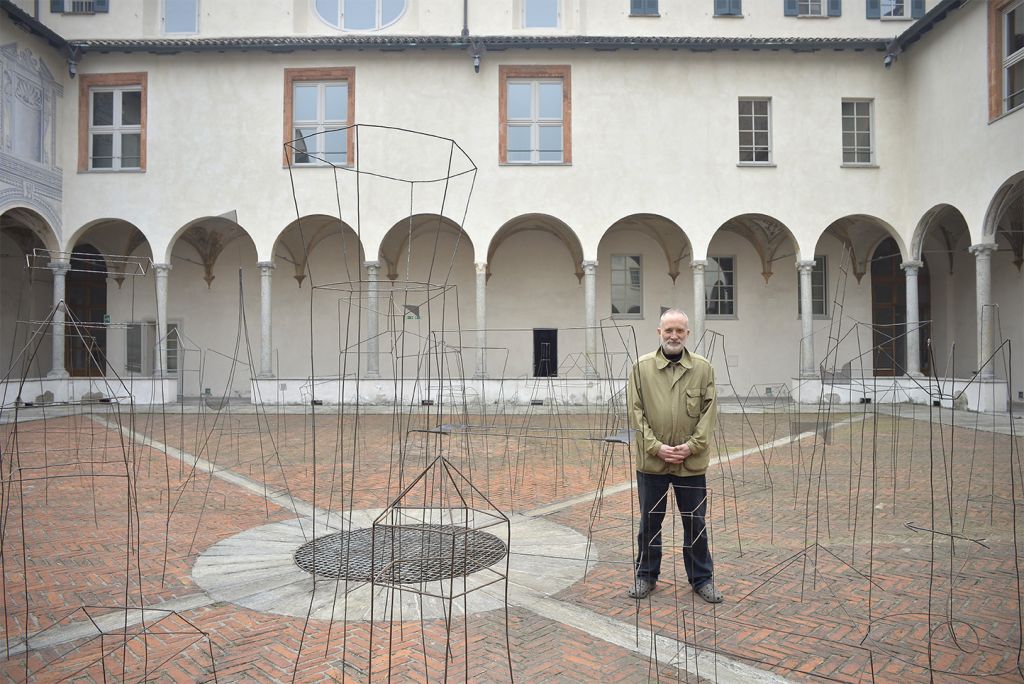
(672, 408)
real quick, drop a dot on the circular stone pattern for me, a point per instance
(401, 554)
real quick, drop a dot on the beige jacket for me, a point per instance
(672, 403)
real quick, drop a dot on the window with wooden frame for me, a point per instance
(858, 133)
(112, 122)
(1006, 56)
(535, 112)
(319, 108)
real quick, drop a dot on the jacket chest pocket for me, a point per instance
(693, 403)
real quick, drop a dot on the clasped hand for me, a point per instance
(674, 454)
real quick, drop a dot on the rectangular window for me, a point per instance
(643, 8)
(809, 8)
(720, 286)
(79, 6)
(112, 122)
(819, 289)
(181, 16)
(319, 107)
(728, 8)
(627, 286)
(755, 130)
(534, 110)
(540, 13)
(1013, 56)
(857, 138)
(133, 348)
(894, 9)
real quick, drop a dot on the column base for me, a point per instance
(60, 374)
(265, 376)
(371, 375)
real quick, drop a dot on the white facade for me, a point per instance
(655, 172)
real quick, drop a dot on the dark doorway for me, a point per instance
(888, 309)
(545, 352)
(86, 300)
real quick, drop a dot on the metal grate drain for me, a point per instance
(401, 554)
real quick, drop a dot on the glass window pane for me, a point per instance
(849, 157)
(761, 140)
(103, 109)
(336, 102)
(761, 107)
(1015, 85)
(551, 143)
(304, 103)
(550, 96)
(102, 151)
(618, 263)
(334, 146)
(180, 16)
(746, 107)
(390, 10)
(864, 140)
(130, 146)
(131, 108)
(541, 13)
(519, 100)
(328, 11)
(360, 14)
(305, 143)
(518, 142)
(1014, 30)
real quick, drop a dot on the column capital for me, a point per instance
(60, 267)
(371, 264)
(589, 266)
(481, 267)
(162, 268)
(983, 249)
(805, 265)
(698, 264)
(266, 265)
(912, 265)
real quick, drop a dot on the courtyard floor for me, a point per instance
(868, 543)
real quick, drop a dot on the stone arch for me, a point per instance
(861, 234)
(296, 242)
(767, 234)
(396, 242)
(543, 223)
(669, 236)
(1005, 217)
(28, 222)
(208, 235)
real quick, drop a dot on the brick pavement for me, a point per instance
(826, 553)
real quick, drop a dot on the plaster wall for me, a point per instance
(945, 131)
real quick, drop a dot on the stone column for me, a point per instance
(699, 305)
(161, 271)
(913, 367)
(57, 367)
(983, 293)
(481, 319)
(372, 320)
(807, 365)
(590, 306)
(266, 336)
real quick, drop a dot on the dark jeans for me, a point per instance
(691, 500)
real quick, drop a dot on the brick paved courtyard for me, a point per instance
(886, 552)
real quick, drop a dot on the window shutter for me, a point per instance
(874, 9)
(57, 6)
(917, 9)
(737, 7)
(789, 8)
(721, 7)
(101, 6)
(636, 6)
(835, 8)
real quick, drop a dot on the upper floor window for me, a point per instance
(79, 6)
(627, 286)
(720, 286)
(813, 8)
(534, 105)
(181, 16)
(540, 13)
(895, 9)
(858, 147)
(819, 289)
(112, 122)
(643, 8)
(1013, 56)
(318, 112)
(359, 15)
(728, 8)
(755, 130)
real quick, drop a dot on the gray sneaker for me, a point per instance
(709, 593)
(642, 588)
